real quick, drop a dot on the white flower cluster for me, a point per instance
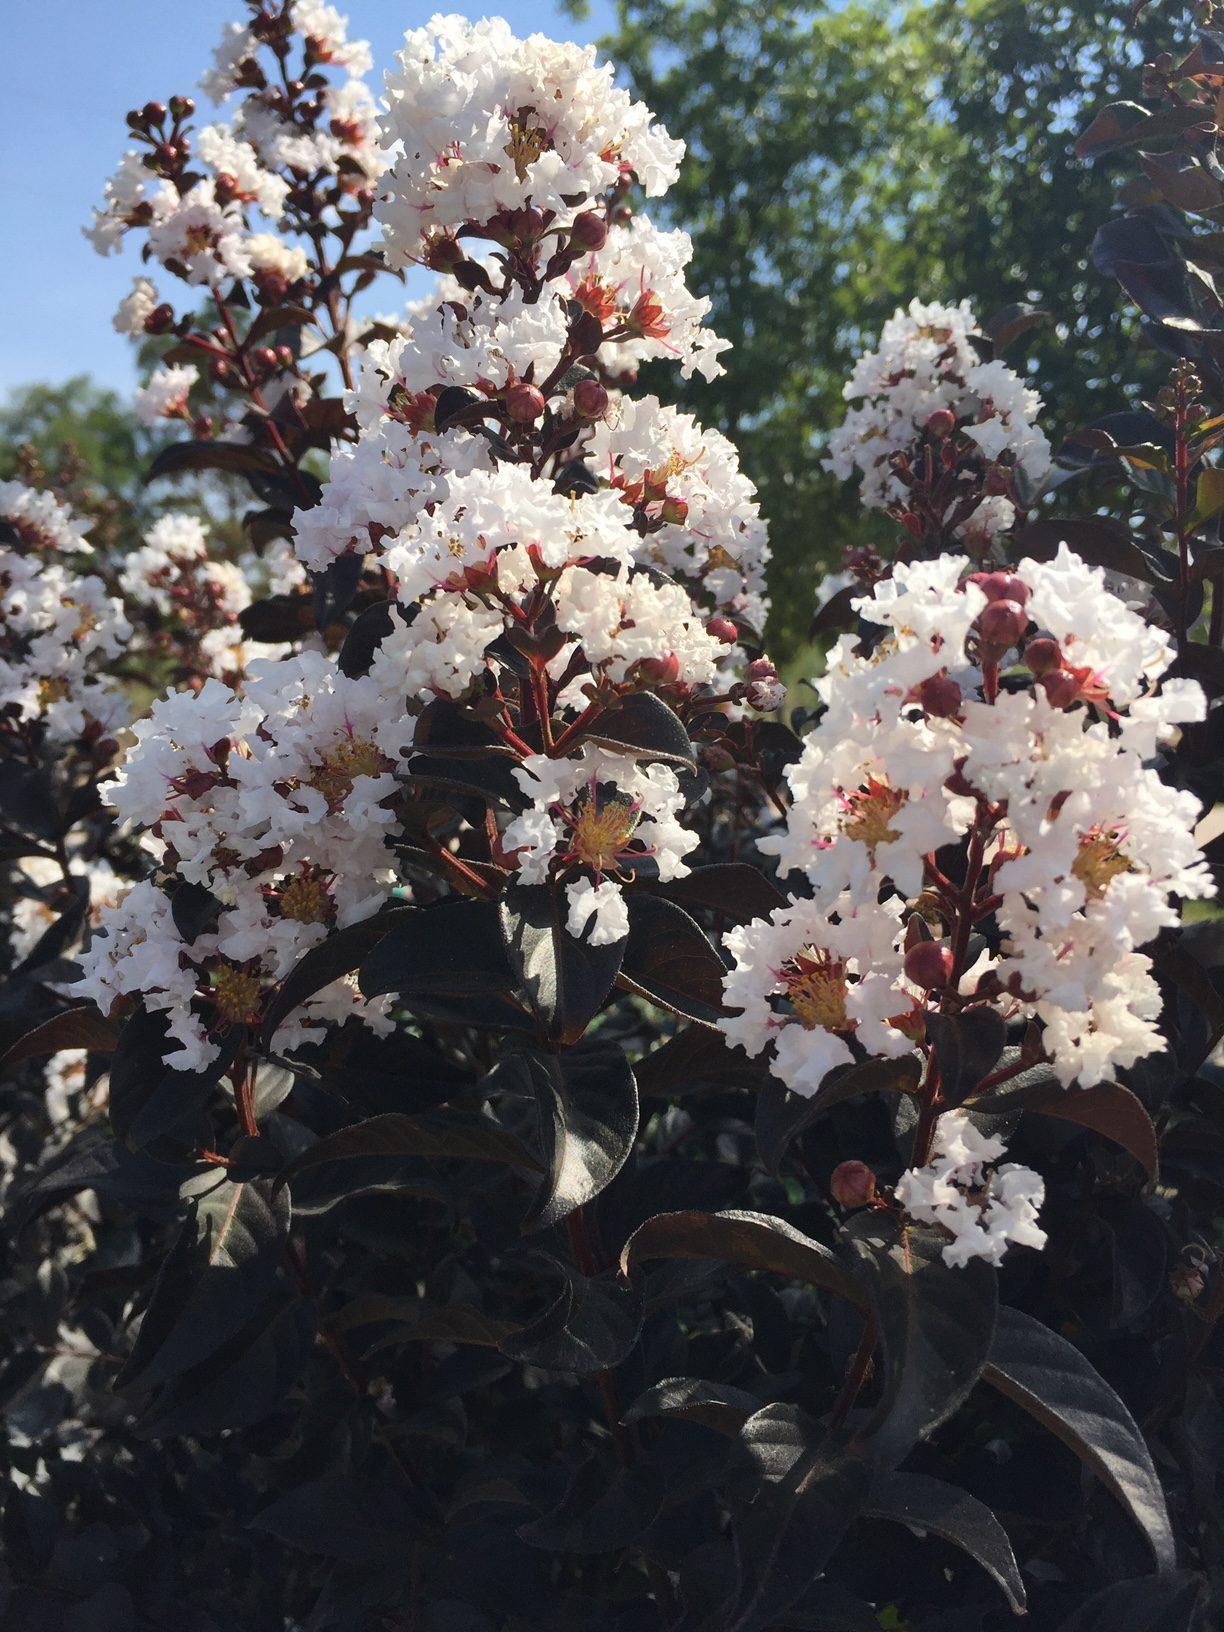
(926, 362)
(201, 230)
(516, 504)
(1072, 845)
(59, 630)
(482, 122)
(985, 1207)
(275, 803)
(200, 598)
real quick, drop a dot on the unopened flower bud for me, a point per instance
(929, 965)
(153, 113)
(1002, 586)
(940, 696)
(590, 230)
(590, 399)
(1061, 687)
(852, 1184)
(220, 370)
(1002, 623)
(658, 671)
(1042, 654)
(941, 423)
(586, 334)
(528, 225)
(181, 107)
(524, 402)
(159, 319)
(723, 629)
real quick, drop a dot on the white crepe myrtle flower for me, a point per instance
(985, 1207)
(135, 308)
(597, 810)
(132, 195)
(271, 256)
(237, 47)
(165, 394)
(598, 910)
(326, 33)
(807, 982)
(201, 238)
(635, 286)
(483, 122)
(697, 512)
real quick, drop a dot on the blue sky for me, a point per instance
(69, 71)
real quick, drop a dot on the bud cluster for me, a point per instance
(939, 435)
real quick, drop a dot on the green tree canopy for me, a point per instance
(845, 159)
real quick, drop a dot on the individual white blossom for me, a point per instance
(165, 394)
(135, 307)
(984, 1206)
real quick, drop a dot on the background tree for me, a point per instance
(844, 160)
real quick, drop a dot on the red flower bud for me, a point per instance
(658, 671)
(928, 965)
(159, 319)
(1061, 687)
(723, 629)
(1002, 586)
(941, 423)
(1002, 623)
(153, 113)
(524, 403)
(528, 225)
(1042, 654)
(852, 1184)
(940, 696)
(590, 230)
(181, 107)
(590, 399)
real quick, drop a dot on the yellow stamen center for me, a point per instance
(1100, 860)
(870, 812)
(349, 759)
(602, 832)
(526, 144)
(235, 993)
(816, 987)
(306, 901)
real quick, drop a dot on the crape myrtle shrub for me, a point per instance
(503, 1131)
